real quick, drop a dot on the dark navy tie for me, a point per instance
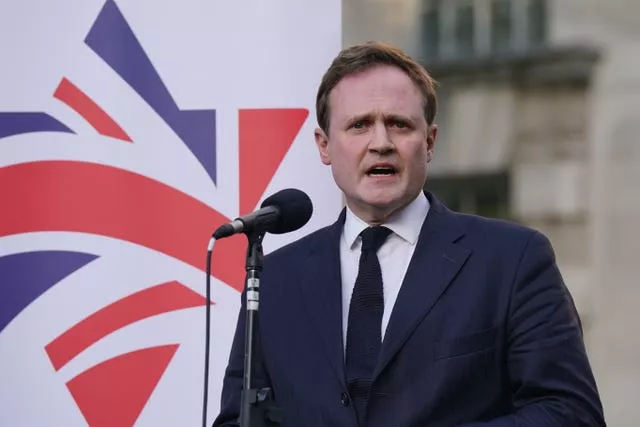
(364, 337)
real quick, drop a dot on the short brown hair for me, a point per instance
(359, 58)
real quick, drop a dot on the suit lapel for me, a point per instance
(436, 261)
(322, 295)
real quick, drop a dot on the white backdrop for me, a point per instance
(128, 131)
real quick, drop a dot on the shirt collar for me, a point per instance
(406, 223)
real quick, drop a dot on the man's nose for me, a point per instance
(381, 139)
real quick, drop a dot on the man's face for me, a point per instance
(378, 141)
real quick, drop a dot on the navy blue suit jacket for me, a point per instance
(483, 333)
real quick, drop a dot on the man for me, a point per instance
(404, 313)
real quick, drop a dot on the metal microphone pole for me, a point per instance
(257, 407)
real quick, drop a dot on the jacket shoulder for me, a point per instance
(300, 247)
(501, 232)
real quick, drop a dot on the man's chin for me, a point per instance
(384, 204)
(387, 203)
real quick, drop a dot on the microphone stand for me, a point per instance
(257, 406)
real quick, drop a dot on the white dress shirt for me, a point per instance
(394, 255)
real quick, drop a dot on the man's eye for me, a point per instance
(358, 125)
(400, 124)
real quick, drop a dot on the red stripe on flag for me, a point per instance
(103, 200)
(265, 136)
(71, 95)
(106, 394)
(163, 298)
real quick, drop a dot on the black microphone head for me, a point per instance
(295, 209)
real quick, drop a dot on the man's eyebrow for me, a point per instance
(371, 117)
(361, 117)
(399, 117)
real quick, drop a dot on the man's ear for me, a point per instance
(322, 142)
(432, 136)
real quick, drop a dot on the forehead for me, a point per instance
(384, 89)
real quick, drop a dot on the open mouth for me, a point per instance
(382, 170)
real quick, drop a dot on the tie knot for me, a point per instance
(373, 238)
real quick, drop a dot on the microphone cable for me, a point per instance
(207, 340)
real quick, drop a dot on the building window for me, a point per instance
(431, 29)
(501, 20)
(458, 29)
(537, 14)
(465, 28)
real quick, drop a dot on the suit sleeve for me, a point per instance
(234, 374)
(550, 376)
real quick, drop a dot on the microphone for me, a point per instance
(283, 212)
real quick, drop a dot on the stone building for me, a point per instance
(539, 115)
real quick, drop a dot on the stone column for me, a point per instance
(614, 341)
